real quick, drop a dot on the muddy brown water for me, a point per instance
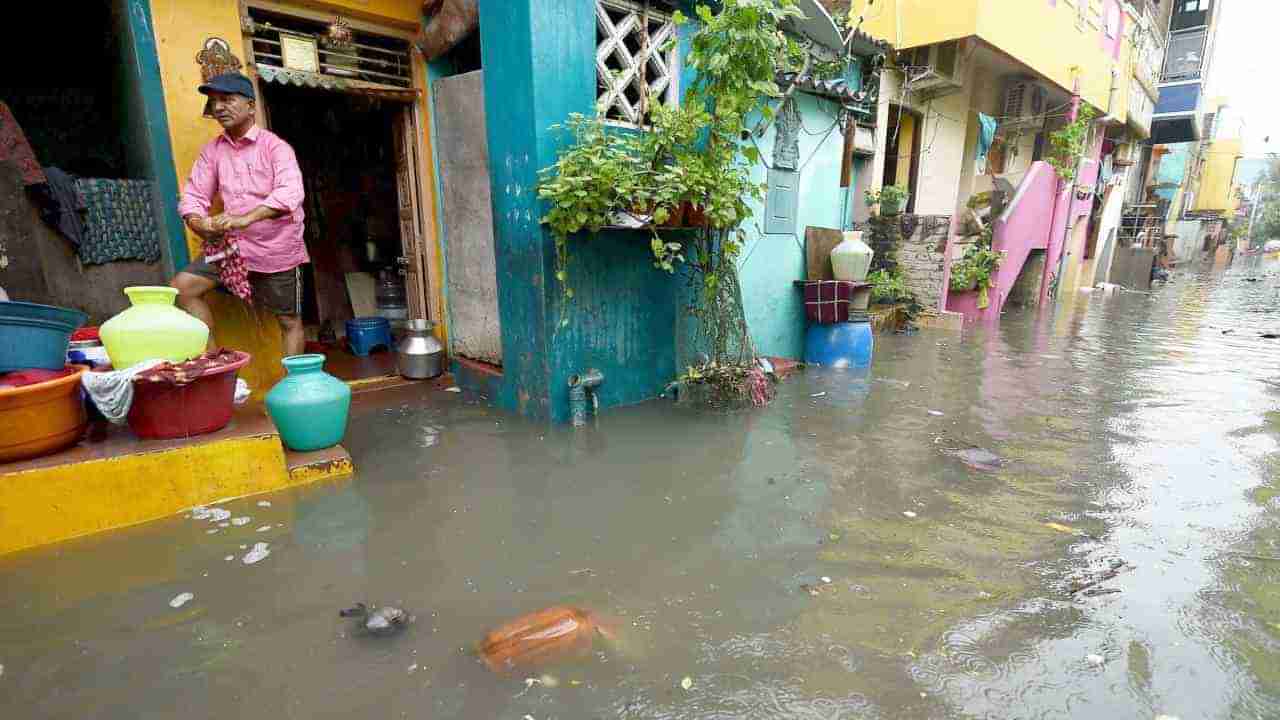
(829, 557)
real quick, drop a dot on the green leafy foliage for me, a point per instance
(976, 266)
(888, 286)
(1067, 146)
(890, 198)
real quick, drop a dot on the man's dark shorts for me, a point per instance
(279, 292)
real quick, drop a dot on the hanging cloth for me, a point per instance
(986, 136)
(234, 274)
(15, 149)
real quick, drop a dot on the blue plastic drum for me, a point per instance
(840, 345)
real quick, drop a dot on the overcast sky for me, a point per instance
(1244, 71)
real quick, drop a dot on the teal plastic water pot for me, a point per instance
(309, 406)
(35, 336)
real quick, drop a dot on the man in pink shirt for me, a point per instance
(256, 176)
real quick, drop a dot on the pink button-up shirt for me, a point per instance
(258, 169)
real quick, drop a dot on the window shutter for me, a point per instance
(782, 202)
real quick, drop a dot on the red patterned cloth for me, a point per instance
(15, 149)
(188, 372)
(827, 301)
(232, 271)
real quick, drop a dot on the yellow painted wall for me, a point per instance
(181, 27)
(1217, 183)
(1042, 36)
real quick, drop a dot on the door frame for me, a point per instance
(426, 256)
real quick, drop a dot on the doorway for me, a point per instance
(902, 151)
(348, 148)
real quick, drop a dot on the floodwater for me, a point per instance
(833, 556)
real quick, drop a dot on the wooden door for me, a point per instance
(412, 235)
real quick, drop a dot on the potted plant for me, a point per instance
(891, 199)
(974, 271)
(887, 287)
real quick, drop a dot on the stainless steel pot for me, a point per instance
(421, 356)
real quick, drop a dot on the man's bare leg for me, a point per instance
(191, 290)
(295, 339)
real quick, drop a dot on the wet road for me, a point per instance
(830, 557)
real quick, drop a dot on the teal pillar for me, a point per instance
(155, 128)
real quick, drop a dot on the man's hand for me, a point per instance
(226, 222)
(203, 227)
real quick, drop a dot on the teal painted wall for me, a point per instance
(627, 319)
(1172, 170)
(770, 263)
(539, 66)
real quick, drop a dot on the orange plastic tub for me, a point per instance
(43, 418)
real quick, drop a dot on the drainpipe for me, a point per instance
(582, 395)
(1066, 222)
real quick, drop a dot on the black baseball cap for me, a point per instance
(230, 83)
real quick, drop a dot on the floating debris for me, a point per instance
(218, 514)
(819, 394)
(413, 668)
(813, 591)
(826, 580)
(199, 512)
(454, 389)
(1095, 660)
(181, 599)
(378, 621)
(541, 636)
(240, 521)
(211, 531)
(1060, 528)
(686, 683)
(229, 558)
(264, 528)
(550, 681)
(937, 413)
(1117, 567)
(908, 513)
(264, 503)
(259, 552)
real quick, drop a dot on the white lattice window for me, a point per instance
(633, 60)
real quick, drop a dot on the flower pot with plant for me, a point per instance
(891, 199)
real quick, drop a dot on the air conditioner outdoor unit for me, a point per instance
(1025, 104)
(1126, 154)
(935, 70)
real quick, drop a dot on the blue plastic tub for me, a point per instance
(842, 345)
(36, 336)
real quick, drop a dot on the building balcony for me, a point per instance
(1177, 117)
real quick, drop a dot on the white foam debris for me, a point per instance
(240, 521)
(908, 513)
(258, 553)
(218, 514)
(264, 528)
(264, 503)
(229, 558)
(1095, 660)
(181, 599)
(200, 512)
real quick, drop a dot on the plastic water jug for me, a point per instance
(851, 259)
(153, 329)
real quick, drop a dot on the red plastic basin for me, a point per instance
(163, 410)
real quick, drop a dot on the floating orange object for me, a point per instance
(538, 637)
